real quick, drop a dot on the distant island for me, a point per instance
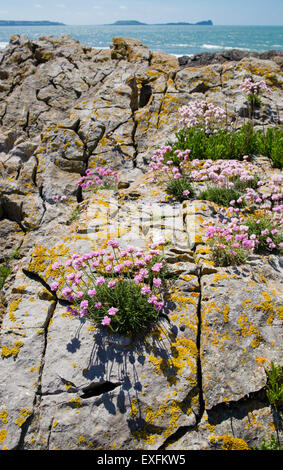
(199, 23)
(128, 22)
(138, 23)
(30, 23)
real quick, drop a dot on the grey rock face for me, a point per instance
(197, 379)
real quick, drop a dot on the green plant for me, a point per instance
(74, 215)
(274, 385)
(5, 271)
(241, 185)
(120, 289)
(272, 444)
(222, 196)
(269, 142)
(134, 313)
(264, 230)
(225, 256)
(231, 144)
(180, 188)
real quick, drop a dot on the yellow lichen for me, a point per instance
(230, 442)
(76, 401)
(4, 416)
(12, 308)
(25, 412)
(11, 350)
(3, 435)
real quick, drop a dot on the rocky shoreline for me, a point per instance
(208, 58)
(198, 382)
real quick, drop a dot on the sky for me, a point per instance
(86, 12)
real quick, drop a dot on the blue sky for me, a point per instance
(85, 12)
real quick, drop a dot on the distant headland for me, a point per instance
(29, 23)
(138, 23)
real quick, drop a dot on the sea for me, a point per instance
(178, 40)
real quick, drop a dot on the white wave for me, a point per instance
(3, 45)
(210, 46)
(181, 45)
(226, 48)
(182, 55)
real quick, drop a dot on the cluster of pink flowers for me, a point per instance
(254, 88)
(271, 201)
(169, 162)
(106, 267)
(201, 114)
(233, 234)
(97, 176)
(221, 171)
(57, 198)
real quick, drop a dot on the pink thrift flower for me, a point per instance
(127, 263)
(56, 265)
(111, 283)
(100, 280)
(143, 272)
(157, 282)
(79, 294)
(145, 290)
(158, 305)
(157, 267)
(54, 286)
(66, 291)
(112, 311)
(106, 321)
(113, 243)
(98, 305)
(92, 292)
(138, 278)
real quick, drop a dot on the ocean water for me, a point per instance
(173, 39)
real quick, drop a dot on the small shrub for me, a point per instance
(5, 271)
(74, 215)
(181, 189)
(241, 185)
(267, 233)
(253, 90)
(98, 176)
(221, 196)
(229, 242)
(118, 289)
(230, 144)
(274, 386)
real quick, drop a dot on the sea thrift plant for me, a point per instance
(168, 161)
(202, 114)
(254, 89)
(230, 242)
(118, 288)
(172, 164)
(223, 172)
(97, 177)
